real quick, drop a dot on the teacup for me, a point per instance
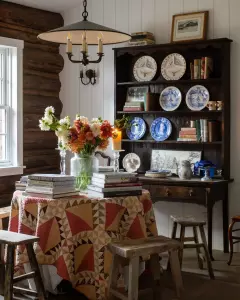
(212, 105)
(219, 105)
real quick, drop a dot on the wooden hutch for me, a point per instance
(174, 189)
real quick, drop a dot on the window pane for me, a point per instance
(2, 121)
(2, 147)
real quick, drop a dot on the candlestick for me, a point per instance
(69, 45)
(117, 140)
(100, 45)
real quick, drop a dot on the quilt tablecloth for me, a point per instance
(74, 231)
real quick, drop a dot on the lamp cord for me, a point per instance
(85, 13)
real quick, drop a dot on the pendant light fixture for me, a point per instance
(85, 33)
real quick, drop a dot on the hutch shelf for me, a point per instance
(174, 189)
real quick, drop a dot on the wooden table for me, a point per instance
(193, 191)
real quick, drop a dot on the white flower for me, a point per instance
(49, 111)
(65, 121)
(95, 127)
(48, 119)
(82, 119)
(43, 125)
(95, 120)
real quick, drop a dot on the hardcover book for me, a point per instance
(114, 194)
(51, 177)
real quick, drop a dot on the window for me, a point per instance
(11, 152)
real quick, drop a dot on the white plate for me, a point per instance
(145, 68)
(131, 162)
(173, 66)
(197, 97)
(170, 98)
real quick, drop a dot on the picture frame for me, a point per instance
(137, 93)
(189, 27)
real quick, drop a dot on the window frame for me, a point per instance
(14, 163)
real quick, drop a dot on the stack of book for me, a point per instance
(21, 184)
(201, 68)
(50, 186)
(187, 134)
(133, 106)
(112, 184)
(142, 38)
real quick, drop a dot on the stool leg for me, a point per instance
(8, 285)
(133, 278)
(230, 238)
(2, 269)
(1, 224)
(113, 276)
(34, 266)
(208, 258)
(176, 271)
(156, 271)
(182, 236)
(174, 230)
(196, 240)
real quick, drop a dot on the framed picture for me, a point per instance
(190, 26)
(171, 159)
(137, 94)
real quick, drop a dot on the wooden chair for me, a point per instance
(100, 153)
(129, 252)
(12, 239)
(233, 239)
(4, 213)
(192, 222)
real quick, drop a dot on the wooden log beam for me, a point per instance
(39, 140)
(34, 104)
(39, 83)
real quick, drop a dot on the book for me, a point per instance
(107, 185)
(49, 190)
(188, 136)
(132, 108)
(141, 43)
(50, 196)
(203, 67)
(208, 67)
(105, 169)
(187, 132)
(142, 33)
(20, 186)
(198, 131)
(51, 177)
(192, 70)
(114, 189)
(133, 103)
(119, 180)
(197, 68)
(192, 129)
(52, 184)
(114, 175)
(114, 194)
(186, 140)
(205, 130)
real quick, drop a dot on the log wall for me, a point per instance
(42, 64)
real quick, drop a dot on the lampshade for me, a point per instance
(93, 32)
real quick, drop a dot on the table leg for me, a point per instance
(225, 216)
(209, 204)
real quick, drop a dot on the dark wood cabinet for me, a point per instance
(218, 85)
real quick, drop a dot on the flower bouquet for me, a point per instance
(82, 139)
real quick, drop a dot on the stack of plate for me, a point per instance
(158, 173)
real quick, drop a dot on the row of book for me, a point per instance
(112, 184)
(203, 131)
(133, 106)
(50, 186)
(142, 38)
(201, 68)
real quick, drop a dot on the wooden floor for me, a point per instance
(197, 286)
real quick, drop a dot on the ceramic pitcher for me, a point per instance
(185, 171)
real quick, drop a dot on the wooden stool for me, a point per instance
(12, 239)
(231, 238)
(128, 252)
(4, 213)
(191, 222)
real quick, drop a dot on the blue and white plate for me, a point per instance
(136, 129)
(161, 128)
(170, 98)
(197, 97)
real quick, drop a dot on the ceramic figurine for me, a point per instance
(185, 171)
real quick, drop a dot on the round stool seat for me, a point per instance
(188, 221)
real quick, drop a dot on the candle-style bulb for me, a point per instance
(100, 45)
(69, 44)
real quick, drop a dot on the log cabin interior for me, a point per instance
(119, 149)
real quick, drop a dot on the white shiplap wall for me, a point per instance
(156, 16)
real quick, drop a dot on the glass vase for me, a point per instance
(82, 167)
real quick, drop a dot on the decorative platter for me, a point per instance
(131, 162)
(170, 98)
(173, 66)
(197, 97)
(161, 129)
(136, 129)
(145, 68)
(158, 173)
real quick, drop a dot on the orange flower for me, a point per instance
(89, 136)
(73, 134)
(106, 130)
(81, 137)
(78, 125)
(103, 145)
